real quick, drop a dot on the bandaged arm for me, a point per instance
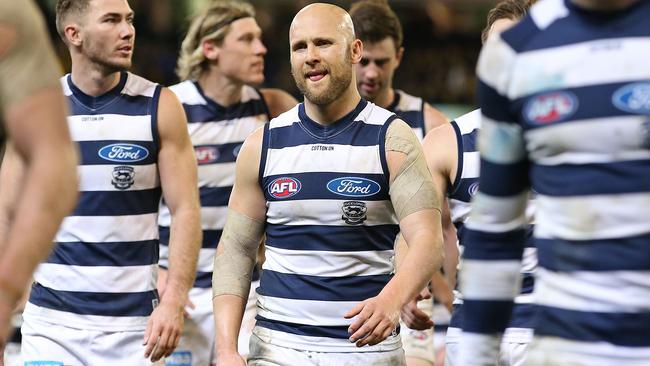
(417, 207)
(237, 249)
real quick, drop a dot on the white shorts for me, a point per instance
(419, 343)
(196, 346)
(550, 351)
(452, 339)
(265, 354)
(512, 354)
(514, 346)
(50, 344)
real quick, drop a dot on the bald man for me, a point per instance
(330, 183)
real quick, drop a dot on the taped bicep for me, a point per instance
(412, 188)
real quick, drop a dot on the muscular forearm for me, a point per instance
(422, 258)
(228, 314)
(49, 193)
(184, 245)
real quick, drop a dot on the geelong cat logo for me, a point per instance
(123, 177)
(550, 107)
(123, 153)
(633, 98)
(354, 212)
(353, 187)
(284, 187)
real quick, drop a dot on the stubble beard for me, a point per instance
(102, 59)
(339, 82)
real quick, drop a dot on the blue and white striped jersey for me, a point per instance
(330, 226)
(102, 272)
(409, 109)
(463, 188)
(217, 134)
(465, 184)
(564, 97)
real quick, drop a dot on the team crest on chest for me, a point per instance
(354, 212)
(123, 177)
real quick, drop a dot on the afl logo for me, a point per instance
(633, 98)
(473, 189)
(550, 107)
(206, 154)
(284, 187)
(123, 153)
(353, 187)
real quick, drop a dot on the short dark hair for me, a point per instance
(374, 21)
(65, 8)
(506, 9)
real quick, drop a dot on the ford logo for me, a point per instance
(123, 153)
(353, 187)
(633, 98)
(473, 189)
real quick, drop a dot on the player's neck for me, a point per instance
(330, 113)
(604, 5)
(93, 81)
(386, 98)
(221, 89)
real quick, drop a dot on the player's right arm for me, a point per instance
(237, 250)
(39, 182)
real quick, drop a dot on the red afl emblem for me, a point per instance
(284, 187)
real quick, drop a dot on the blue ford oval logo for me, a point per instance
(633, 98)
(123, 153)
(353, 187)
(473, 189)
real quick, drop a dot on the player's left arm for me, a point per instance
(495, 232)
(178, 178)
(278, 101)
(433, 118)
(417, 206)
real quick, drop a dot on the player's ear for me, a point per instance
(210, 50)
(399, 54)
(356, 51)
(72, 34)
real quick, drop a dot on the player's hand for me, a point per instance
(376, 318)
(164, 330)
(415, 318)
(230, 359)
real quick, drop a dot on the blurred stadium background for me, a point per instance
(441, 38)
